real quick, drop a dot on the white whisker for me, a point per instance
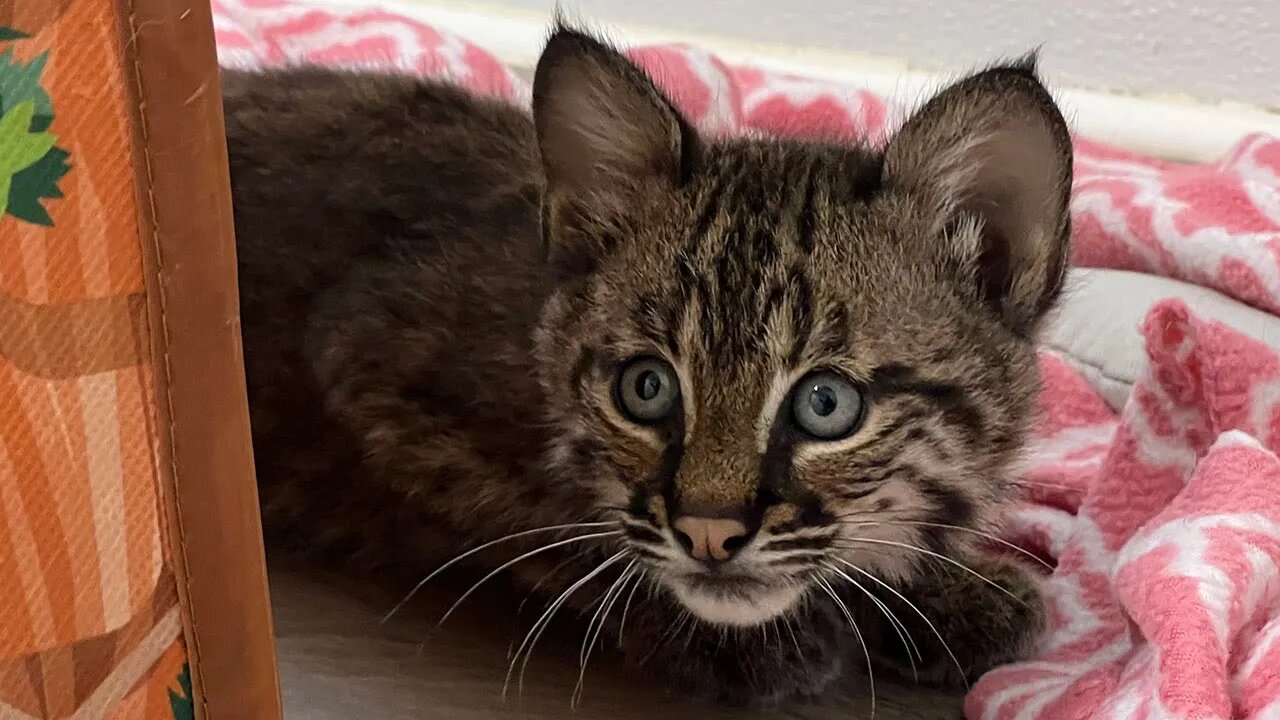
(826, 587)
(1049, 486)
(945, 559)
(622, 624)
(589, 638)
(988, 536)
(531, 639)
(473, 551)
(688, 637)
(671, 632)
(903, 634)
(917, 611)
(561, 543)
(533, 590)
(603, 601)
(786, 619)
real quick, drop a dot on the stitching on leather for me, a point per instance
(179, 531)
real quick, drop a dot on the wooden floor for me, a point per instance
(338, 662)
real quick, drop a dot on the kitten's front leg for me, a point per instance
(982, 626)
(798, 655)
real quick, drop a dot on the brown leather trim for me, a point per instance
(189, 246)
(73, 339)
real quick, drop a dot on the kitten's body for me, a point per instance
(423, 378)
(344, 249)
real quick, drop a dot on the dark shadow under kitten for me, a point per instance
(704, 389)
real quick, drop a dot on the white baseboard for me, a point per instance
(1172, 128)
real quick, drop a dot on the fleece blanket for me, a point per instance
(1162, 521)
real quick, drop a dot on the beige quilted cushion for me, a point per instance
(1096, 325)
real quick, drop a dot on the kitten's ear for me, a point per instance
(605, 131)
(993, 153)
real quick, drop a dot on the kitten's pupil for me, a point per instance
(648, 385)
(822, 400)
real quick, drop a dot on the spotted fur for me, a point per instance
(439, 292)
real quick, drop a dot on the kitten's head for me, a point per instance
(776, 361)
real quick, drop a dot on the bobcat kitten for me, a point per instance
(757, 380)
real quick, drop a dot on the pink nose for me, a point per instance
(710, 538)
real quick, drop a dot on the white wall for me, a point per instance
(1212, 50)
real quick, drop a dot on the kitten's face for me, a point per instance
(774, 362)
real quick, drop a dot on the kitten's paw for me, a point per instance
(983, 626)
(760, 666)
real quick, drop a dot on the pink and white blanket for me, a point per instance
(1164, 520)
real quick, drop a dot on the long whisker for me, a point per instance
(561, 543)
(555, 569)
(945, 559)
(903, 634)
(531, 639)
(601, 601)
(917, 611)
(622, 624)
(1049, 486)
(688, 637)
(606, 601)
(589, 638)
(473, 551)
(676, 625)
(972, 531)
(786, 621)
(826, 587)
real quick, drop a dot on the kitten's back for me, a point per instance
(363, 200)
(374, 159)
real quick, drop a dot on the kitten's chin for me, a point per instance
(760, 605)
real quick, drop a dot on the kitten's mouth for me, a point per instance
(735, 600)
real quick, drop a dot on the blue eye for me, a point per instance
(647, 390)
(826, 406)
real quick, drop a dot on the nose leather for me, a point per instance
(709, 535)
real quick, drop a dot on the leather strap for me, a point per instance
(193, 307)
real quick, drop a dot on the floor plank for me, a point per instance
(338, 662)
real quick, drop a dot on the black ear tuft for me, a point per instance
(1028, 64)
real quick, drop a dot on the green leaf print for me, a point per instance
(183, 705)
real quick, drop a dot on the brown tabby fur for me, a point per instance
(438, 291)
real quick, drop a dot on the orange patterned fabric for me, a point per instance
(89, 621)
